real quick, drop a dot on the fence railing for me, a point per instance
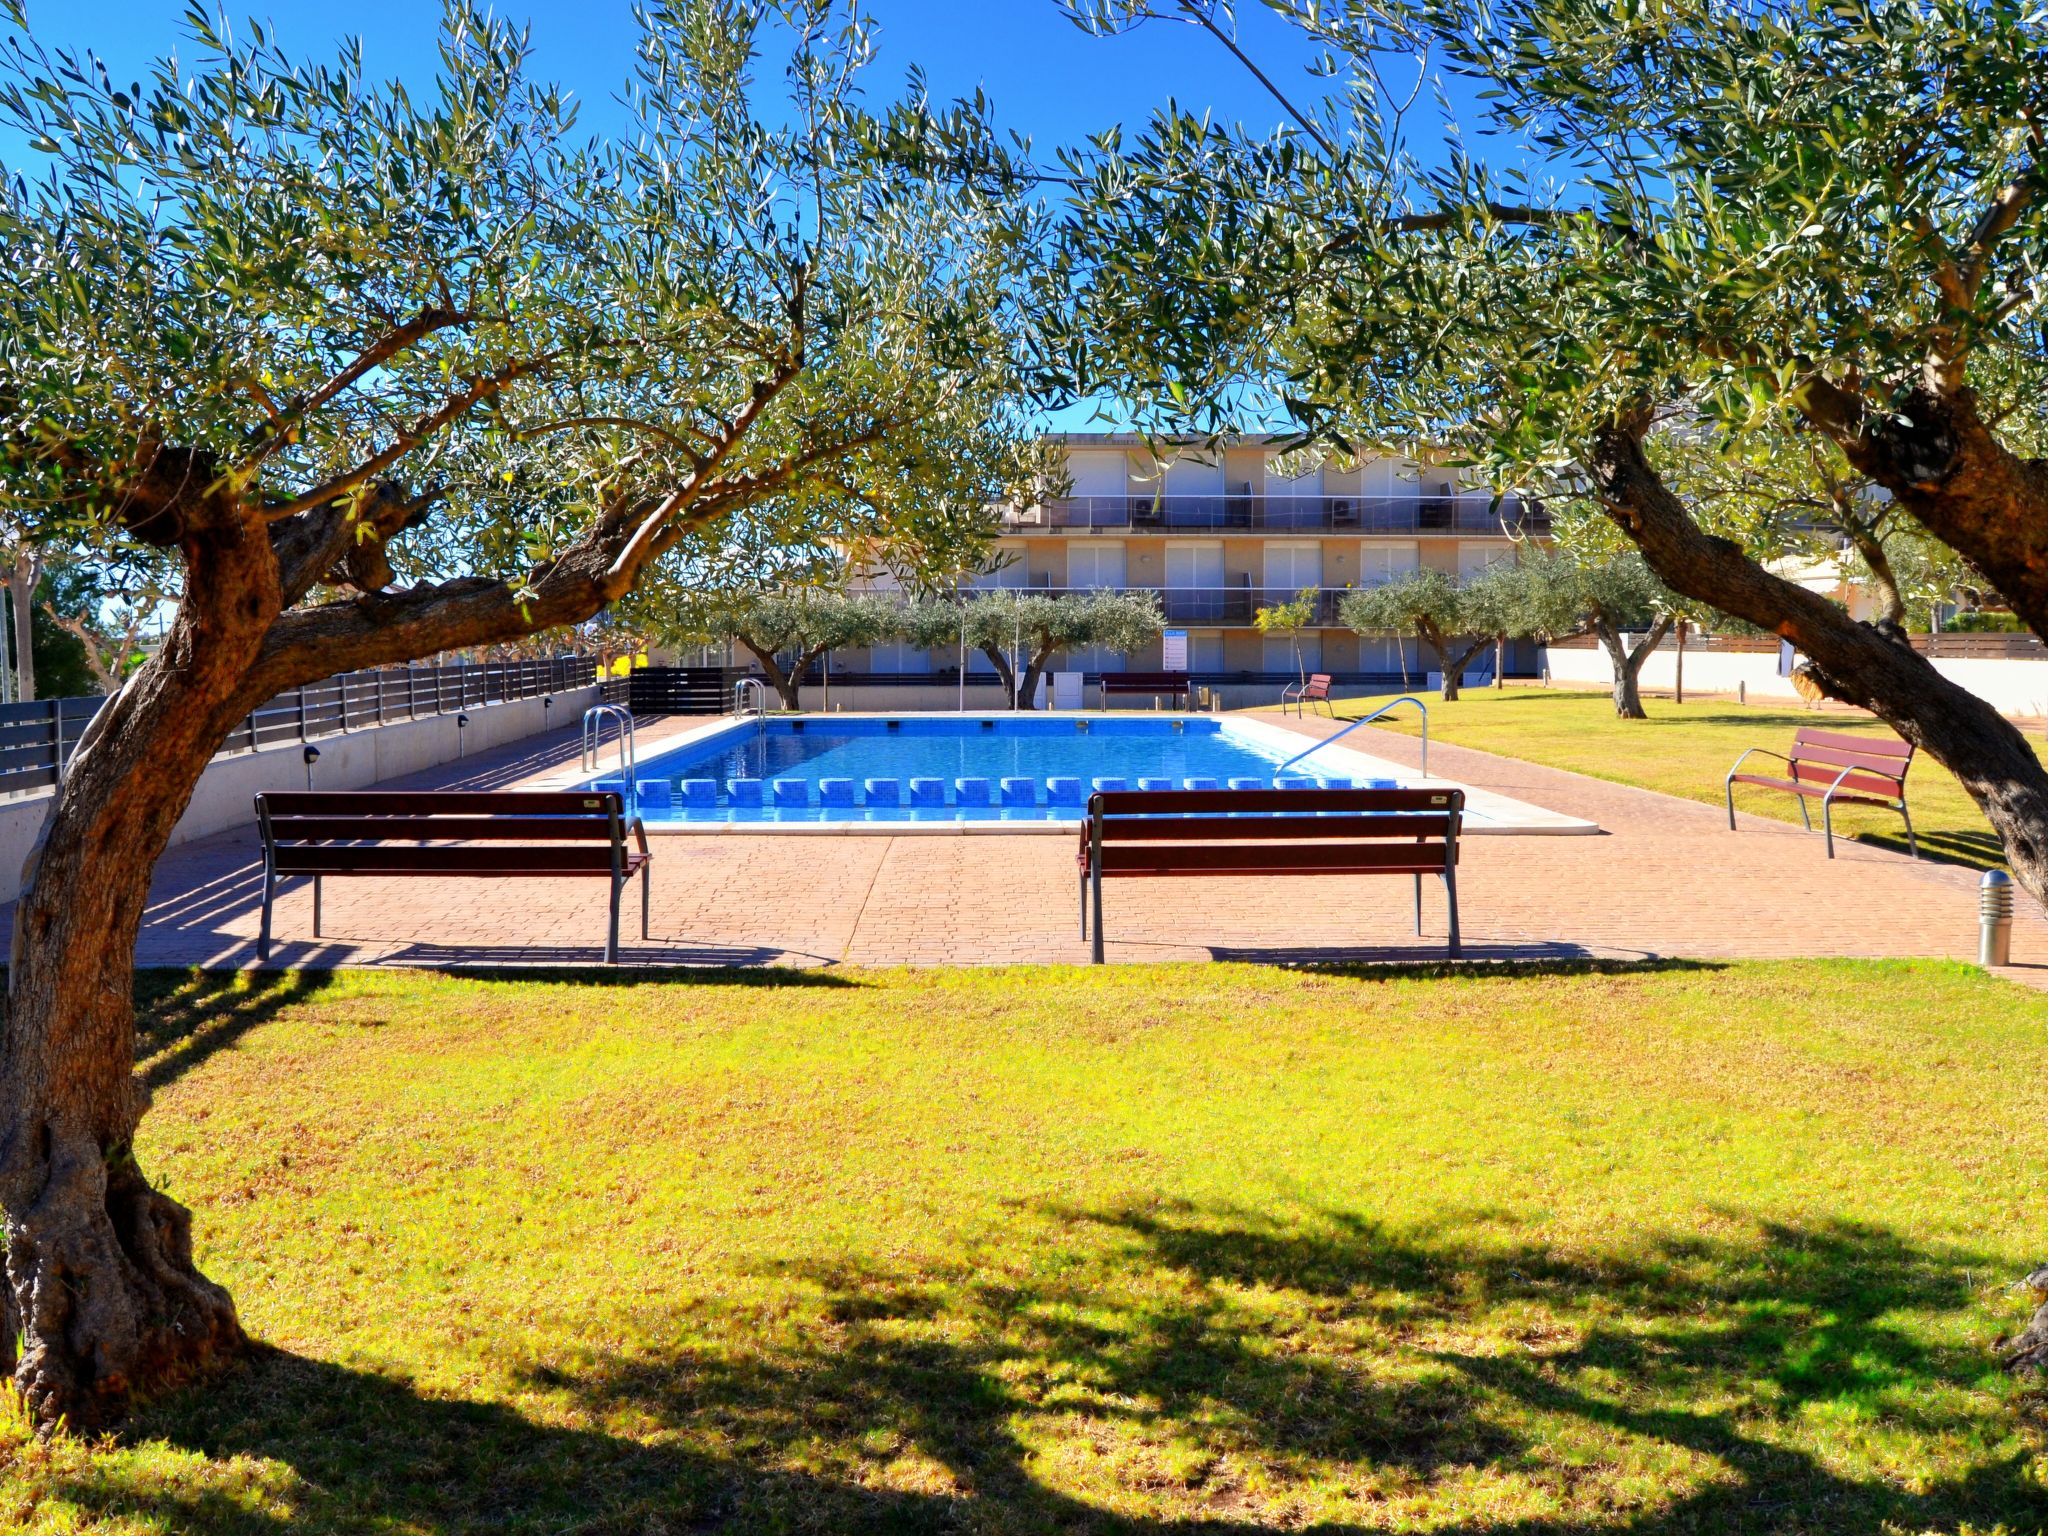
(37, 738)
(1262, 513)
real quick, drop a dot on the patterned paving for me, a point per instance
(1665, 879)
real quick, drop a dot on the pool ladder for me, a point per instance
(750, 697)
(593, 739)
(1368, 720)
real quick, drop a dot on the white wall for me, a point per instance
(2013, 686)
(227, 790)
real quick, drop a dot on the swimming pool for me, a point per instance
(839, 769)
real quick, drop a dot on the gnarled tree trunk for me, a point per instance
(1000, 660)
(785, 683)
(101, 1286)
(1627, 662)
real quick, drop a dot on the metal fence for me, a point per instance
(37, 739)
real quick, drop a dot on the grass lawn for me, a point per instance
(1216, 1248)
(1687, 749)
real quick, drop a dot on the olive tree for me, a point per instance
(784, 631)
(1454, 623)
(382, 373)
(1290, 619)
(1035, 627)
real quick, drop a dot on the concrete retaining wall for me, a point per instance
(2013, 686)
(352, 760)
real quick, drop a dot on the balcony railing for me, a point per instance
(1218, 606)
(1283, 514)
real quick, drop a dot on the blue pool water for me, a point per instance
(957, 768)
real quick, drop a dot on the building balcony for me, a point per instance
(1203, 607)
(1423, 515)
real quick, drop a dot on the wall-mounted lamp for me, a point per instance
(312, 756)
(461, 723)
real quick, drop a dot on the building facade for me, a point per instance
(1219, 534)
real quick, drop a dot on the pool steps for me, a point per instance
(662, 797)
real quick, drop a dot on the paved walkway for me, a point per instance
(1666, 879)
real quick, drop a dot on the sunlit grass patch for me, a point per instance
(1688, 1247)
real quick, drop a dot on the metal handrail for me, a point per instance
(1405, 698)
(750, 688)
(593, 739)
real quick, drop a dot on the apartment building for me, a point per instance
(1219, 534)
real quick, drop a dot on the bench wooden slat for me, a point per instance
(1873, 746)
(1281, 830)
(441, 858)
(1269, 859)
(1825, 774)
(1885, 794)
(1889, 768)
(1117, 803)
(440, 802)
(521, 828)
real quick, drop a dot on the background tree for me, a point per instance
(1039, 627)
(785, 631)
(1604, 594)
(384, 373)
(1290, 619)
(1453, 623)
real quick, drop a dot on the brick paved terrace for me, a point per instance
(1664, 879)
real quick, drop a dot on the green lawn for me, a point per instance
(1687, 750)
(1203, 1248)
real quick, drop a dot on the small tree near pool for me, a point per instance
(785, 632)
(1455, 623)
(1607, 598)
(1039, 627)
(1290, 619)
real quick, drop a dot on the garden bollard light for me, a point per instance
(1994, 918)
(312, 757)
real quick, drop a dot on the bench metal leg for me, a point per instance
(269, 894)
(611, 937)
(646, 894)
(1451, 900)
(1084, 903)
(1418, 906)
(1912, 843)
(1095, 894)
(316, 906)
(1728, 785)
(1827, 820)
(1806, 816)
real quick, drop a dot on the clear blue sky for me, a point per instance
(1045, 76)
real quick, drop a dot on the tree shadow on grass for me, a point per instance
(1662, 1386)
(184, 1018)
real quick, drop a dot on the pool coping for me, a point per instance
(1503, 816)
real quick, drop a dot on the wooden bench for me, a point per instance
(1173, 684)
(1315, 691)
(1265, 832)
(1835, 768)
(516, 834)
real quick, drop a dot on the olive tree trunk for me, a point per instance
(102, 1291)
(1627, 661)
(785, 683)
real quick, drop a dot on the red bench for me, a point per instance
(1145, 833)
(1173, 684)
(523, 835)
(1835, 768)
(1315, 691)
